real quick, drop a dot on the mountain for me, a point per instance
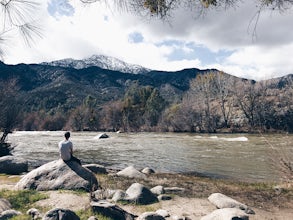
(50, 86)
(104, 62)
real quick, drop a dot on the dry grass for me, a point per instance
(6, 179)
(261, 195)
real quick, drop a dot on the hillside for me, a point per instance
(89, 97)
(51, 86)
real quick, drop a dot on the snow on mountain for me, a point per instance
(101, 61)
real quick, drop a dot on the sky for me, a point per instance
(222, 39)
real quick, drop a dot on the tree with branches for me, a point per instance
(9, 112)
(18, 15)
(17, 19)
(164, 8)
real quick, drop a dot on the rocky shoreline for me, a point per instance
(167, 196)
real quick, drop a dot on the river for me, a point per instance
(243, 157)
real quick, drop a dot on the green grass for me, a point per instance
(85, 214)
(23, 199)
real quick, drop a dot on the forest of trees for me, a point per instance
(215, 102)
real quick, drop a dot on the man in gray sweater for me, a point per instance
(66, 149)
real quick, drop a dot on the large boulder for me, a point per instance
(139, 194)
(4, 205)
(60, 214)
(226, 214)
(13, 165)
(59, 175)
(111, 210)
(5, 149)
(222, 201)
(131, 172)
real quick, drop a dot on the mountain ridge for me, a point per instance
(47, 91)
(102, 61)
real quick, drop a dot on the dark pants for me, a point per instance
(75, 159)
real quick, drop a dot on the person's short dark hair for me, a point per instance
(67, 135)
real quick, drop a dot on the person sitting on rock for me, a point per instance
(66, 149)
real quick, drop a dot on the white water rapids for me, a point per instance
(240, 156)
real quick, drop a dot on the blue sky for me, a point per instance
(221, 39)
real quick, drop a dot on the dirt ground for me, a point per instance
(193, 203)
(194, 208)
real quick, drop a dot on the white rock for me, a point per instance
(131, 172)
(226, 214)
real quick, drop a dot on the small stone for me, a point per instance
(34, 213)
(7, 214)
(227, 214)
(119, 195)
(222, 201)
(164, 197)
(103, 194)
(150, 216)
(163, 213)
(171, 190)
(131, 172)
(148, 171)
(158, 190)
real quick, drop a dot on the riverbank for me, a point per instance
(266, 200)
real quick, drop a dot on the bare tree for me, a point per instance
(249, 98)
(111, 115)
(203, 90)
(9, 107)
(9, 112)
(224, 84)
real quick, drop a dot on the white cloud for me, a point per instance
(98, 29)
(266, 62)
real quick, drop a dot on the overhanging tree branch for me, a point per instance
(18, 15)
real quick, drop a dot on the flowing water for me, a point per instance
(237, 156)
